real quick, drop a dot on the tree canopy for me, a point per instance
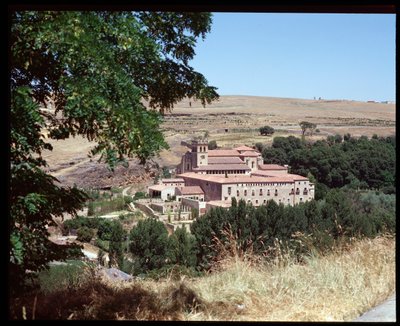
(266, 130)
(337, 161)
(97, 68)
(304, 125)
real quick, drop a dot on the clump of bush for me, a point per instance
(85, 234)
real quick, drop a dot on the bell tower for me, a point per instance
(199, 152)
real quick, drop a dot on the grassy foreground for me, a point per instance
(336, 287)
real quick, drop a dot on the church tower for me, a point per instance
(199, 153)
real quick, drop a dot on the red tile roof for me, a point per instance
(160, 187)
(248, 153)
(244, 148)
(224, 167)
(244, 178)
(224, 160)
(271, 167)
(190, 190)
(172, 180)
(223, 152)
(275, 174)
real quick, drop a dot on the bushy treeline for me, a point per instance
(310, 226)
(358, 163)
(318, 224)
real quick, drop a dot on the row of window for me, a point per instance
(253, 193)
(265, 201)
(264, 184)
(305, 192)
(228, 172)
(192, 197)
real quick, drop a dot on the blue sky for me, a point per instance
(332, 56)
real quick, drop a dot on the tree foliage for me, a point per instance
(304, 125)
(105, 229)
(149, 245)
(85, 234)
(341, 216)
(266, 130)
(337, 162)
(212, 144)
(96, 67)
(182, 246)
(117, 238)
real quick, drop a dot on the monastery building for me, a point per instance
(210, 178)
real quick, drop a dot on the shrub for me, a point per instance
(128, 199)
(139, 195)
(212, 144)
(85, 234)
(266, 130)
(59, 277)
(90, 211)
(259, 147)
(104, 230)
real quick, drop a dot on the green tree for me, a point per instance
(165, 173)
(35, 199)
(85, 234)
(95, 67)
(304, 125)
(266, 130)
(149, 244)
(116, 245)
(212, 144)
(259, 147)
(182, 246)
(194, 213)
(139, 195)
(90, 211)
(105, 229)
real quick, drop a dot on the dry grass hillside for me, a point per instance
(231, 121)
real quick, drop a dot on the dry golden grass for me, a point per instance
(337, 287)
